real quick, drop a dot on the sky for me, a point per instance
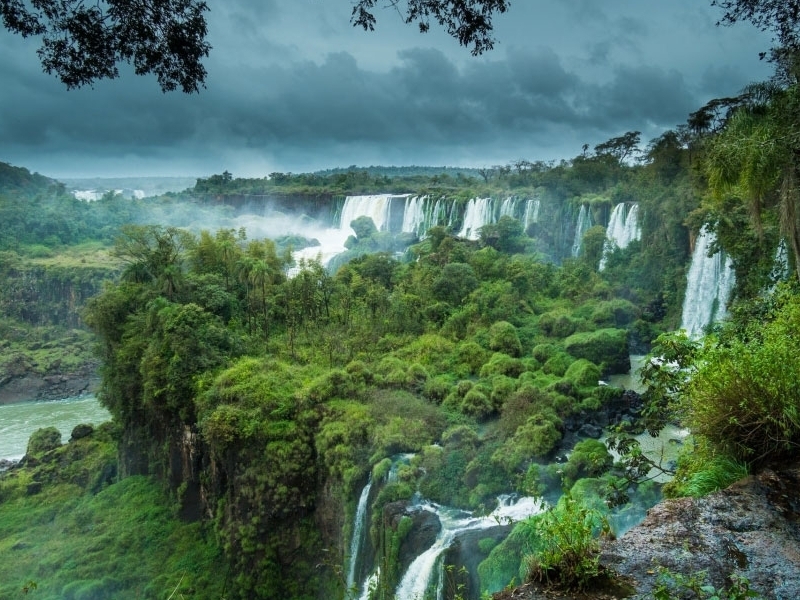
(293, 87)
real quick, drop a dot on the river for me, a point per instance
(18, 421)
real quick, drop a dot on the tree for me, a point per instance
(756, 158)
(621, 147)
(83, 43)
(781, 17)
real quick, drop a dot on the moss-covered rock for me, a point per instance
(605, 347)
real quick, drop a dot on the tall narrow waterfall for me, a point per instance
(583, 223)
(417, 578)
(479, 213)
(531, 212)
(623, 228)
(708, 286)
(359, 533)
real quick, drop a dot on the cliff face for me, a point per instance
(751, 529)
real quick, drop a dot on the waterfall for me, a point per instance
(376, 207)
(414, 218)
(623, 228)
(358, 534)
(708, 286)
(417, 578)
(583, 223)
(531, 212)
(479, 213)
(509, 207)
(780, 265)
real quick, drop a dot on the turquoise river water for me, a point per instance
(18, 421)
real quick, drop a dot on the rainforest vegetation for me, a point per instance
(250, 407)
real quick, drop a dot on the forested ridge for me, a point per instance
(252, 406)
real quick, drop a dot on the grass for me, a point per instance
(123, 542)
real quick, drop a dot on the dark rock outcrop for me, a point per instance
(28, 385)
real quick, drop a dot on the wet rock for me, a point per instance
(81, 431)
(425, 526)
(591, 431)
(751, 529)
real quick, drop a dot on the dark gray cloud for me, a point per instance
(293, 87)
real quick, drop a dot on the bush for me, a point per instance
(503, 364)
(557, 364)
(558, 324)
(503, 338)
(605, 347)
(583, 373)
(568, 551)
(43, 440)
(745, 396)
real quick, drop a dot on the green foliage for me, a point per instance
(117, 539)
(503, 338)
(605, 347)
(568, 552)
(671, 586)
(583, 373)
(744, 398)
(43, 440)
(708, 476)
(589, 458)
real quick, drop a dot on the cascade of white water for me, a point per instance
(454, 522)
(508, 207)
(376, 207)
(780, 266)
(370, 584)
(358, 533)
(623, 228)
(479, 213)
(583, 223)
(531, 212)
(414, 217)
(708, 286)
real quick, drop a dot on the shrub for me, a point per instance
(472, 355)
(557, 364)
(502, 364)
(589, 458)
(542, 352)
(476, 404)
(568, 551)
(43, 440)
(745, 396)
(605, 347)
(583, 373)
(558, 324)
(503, 338)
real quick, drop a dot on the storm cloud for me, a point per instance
(292, 87)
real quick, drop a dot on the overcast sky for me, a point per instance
(292, 86)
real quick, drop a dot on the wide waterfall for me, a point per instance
(583, 223)
(359, 534)
(417, 578)
(708, 286)
(623, 228)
